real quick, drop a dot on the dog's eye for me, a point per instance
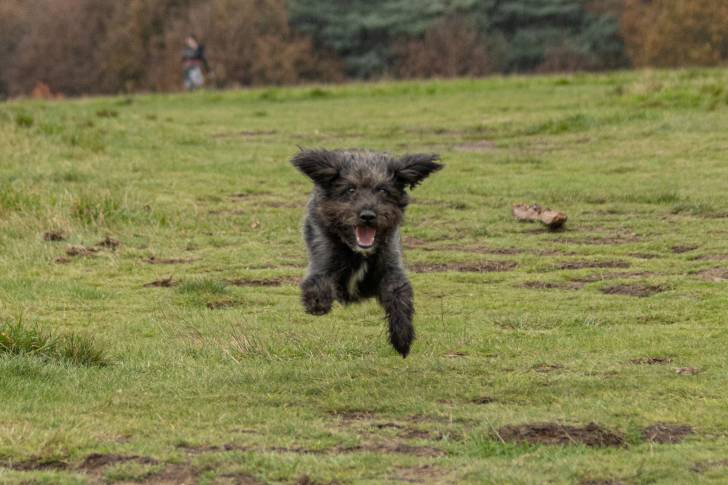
(350, 190)
(381, 190)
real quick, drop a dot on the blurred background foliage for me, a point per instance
(75, 47)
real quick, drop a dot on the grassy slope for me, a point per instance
(636, 160)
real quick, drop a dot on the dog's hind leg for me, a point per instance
(317, 294)
(395, 295)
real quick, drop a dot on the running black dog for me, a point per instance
(352, 232)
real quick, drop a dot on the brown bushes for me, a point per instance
(86, 46)
(451, 47)
(675, 33)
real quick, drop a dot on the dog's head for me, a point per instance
(361, 195)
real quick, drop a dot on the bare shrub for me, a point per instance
(451, 47)
(673, 33)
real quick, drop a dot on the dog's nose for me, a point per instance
(367, 215)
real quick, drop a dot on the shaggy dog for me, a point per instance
(352, 232)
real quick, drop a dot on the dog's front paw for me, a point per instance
(401, 335)
(317, 298)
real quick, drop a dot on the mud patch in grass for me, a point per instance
(474, 267)
(571, 265)
(241, 478)
(683, 249)
(156, 260)
(705, 466)
(221, 304)
(276, 281)
(714, 275)
(592, 435)
(636, 290)
(420, 474)
(651, 361)
(666, 433)
(54, 236)
(161, 283)
(37, 464)
(80, 251)
(546, 285)
(109, 243)
(95, 461)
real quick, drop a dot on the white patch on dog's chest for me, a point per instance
(356, 278)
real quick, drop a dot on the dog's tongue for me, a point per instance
(365, 236)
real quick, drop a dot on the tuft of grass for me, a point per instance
(577, 122)
(24, 120)
(18, 339)
(107, 113)
(202, 286)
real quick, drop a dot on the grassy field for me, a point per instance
(150, 324)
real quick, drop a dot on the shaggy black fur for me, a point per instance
(352, 232)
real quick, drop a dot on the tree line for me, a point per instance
(79, 47)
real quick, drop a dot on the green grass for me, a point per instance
(220, 376)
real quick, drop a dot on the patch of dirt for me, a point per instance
(174, 474)
(109, 243)
(54, 236)
(591, 435)
(275, 281)
(241, 478)
(666, 433)
(221, 304)
(592, 264)
(196, 450)
(545, 368)
(156, 260)
(95, 461)
(353, 416)
(710, 257)
(704, 466)
(400, 448)
(644, 255)
(714, 275)
(475, 249)
(591, 278)
(481, 146)
(62, 260)
(543, 285)
(34, 464)
(651, 361)
(78, 250)
(420, 474)
(306, 480)
(245, 195)
(475, 267)
(687, 371)
(684, 249)
(483, 400)
(637, 290)
(602, 481)
(161, 283)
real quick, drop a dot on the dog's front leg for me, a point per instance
(317, 294)
(395, 295)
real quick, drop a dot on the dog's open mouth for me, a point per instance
(365, 236)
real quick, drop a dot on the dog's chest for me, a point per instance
(356, 277)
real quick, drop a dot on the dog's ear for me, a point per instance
(321, 166)
(412, 169)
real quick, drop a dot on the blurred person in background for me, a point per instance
(193, 63)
